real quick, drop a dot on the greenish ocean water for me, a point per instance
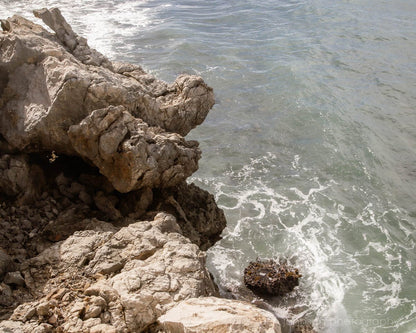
(311, 146)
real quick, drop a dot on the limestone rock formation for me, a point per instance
(131, 154)
(99, 230)
(114, 279)
(75, 44)
(49, 82)
(211, 314)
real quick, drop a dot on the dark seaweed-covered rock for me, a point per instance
(271, 278)
(304, 328)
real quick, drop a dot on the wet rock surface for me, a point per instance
(267, 277)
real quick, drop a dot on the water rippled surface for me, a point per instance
(311, 147)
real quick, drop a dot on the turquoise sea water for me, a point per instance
(311, 146)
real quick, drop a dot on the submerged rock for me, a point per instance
(271, 278)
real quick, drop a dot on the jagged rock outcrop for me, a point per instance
(211, 314)
(99, 231)
(49, 82)
(131, 154)
(113, 279)
(77, 45)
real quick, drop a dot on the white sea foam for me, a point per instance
(310, 235)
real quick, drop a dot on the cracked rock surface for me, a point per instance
(50, 82)
(130, 153)
(117, 279)
(99, 230)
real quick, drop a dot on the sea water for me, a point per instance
(311, 146)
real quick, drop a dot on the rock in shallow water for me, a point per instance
(271, 278)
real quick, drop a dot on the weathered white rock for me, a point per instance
(66, 111)
(131, 154)
(123, 278)
(52, 83)
(49, 82)
(211, 314)
(76, 45)
(9, 326)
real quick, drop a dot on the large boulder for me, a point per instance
(130, 153)
(197, 212)
(211, 314)
(75, 44)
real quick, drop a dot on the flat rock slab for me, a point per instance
(211, 314)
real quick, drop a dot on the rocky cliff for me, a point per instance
(100, 232)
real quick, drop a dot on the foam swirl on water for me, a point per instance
(334, 246)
